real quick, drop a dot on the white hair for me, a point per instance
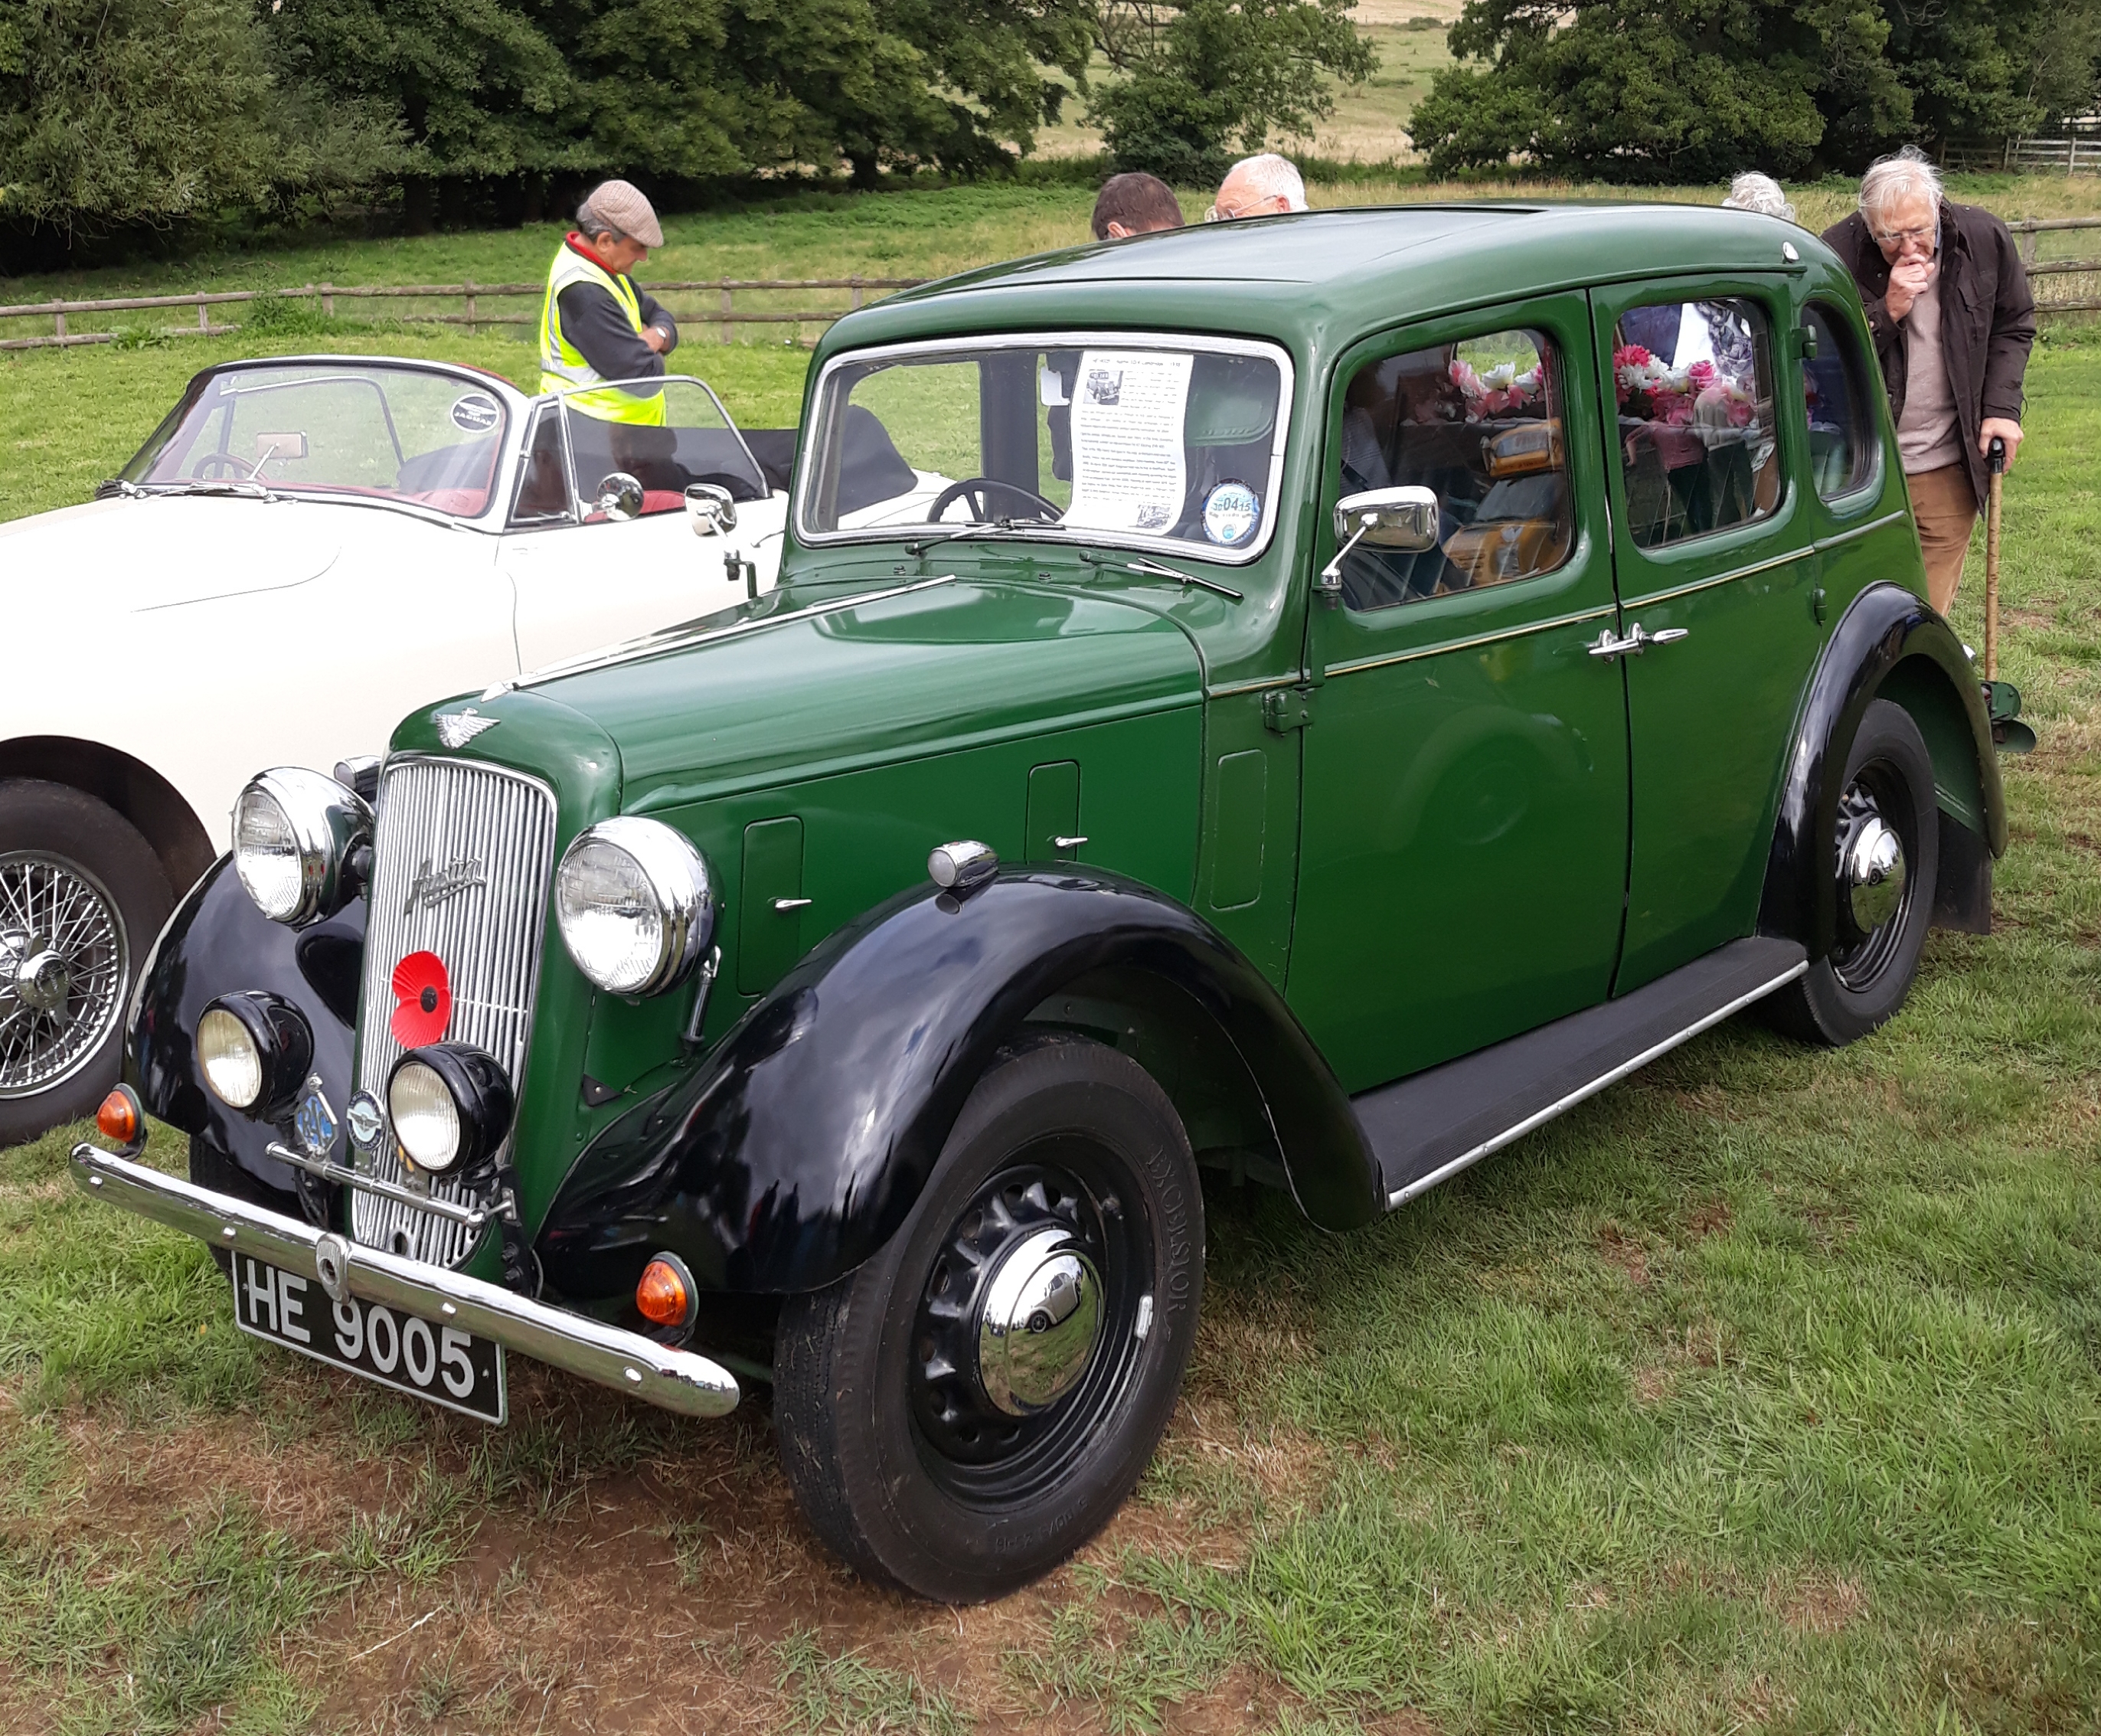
(1753, 191)
(1891, 178)
(1270, 177)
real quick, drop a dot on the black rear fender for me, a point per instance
(1889, 645)
(792, 1151)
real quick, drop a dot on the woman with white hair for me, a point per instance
(1753, 191)
(1953, 320)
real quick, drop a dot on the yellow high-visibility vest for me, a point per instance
(562, 365)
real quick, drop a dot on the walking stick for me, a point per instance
(1997, 459)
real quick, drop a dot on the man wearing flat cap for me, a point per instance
(594, 324)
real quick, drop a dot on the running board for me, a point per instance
(1432, 1125)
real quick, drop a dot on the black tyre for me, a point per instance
(81, 898)
(967, 1409)
(1885, 864)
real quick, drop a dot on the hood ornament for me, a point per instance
(457, 729)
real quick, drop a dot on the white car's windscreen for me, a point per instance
(1113, 441)
(433, 439)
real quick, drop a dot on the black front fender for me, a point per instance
(795, 1148)
(218, 943)
(1885, 625)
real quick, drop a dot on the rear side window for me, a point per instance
(1694, 382)
(1479, 423)
(1841, 435)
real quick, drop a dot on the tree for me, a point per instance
(121, 112)
(1205, 80)
(1994, 68)
(1660, 90)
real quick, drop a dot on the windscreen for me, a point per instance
(429, 439)
(1132, 442)
(667, 436)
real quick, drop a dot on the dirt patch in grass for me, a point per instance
(1620, 1248)
(1820, 1605)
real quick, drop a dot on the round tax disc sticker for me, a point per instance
(475, 412)
(1231, 513)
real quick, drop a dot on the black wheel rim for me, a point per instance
(972, 1449)
(1861, 957)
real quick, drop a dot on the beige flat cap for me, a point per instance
(621, 203)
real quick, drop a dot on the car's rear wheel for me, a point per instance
(968, 1408)
(81, 897)
(1885, 863)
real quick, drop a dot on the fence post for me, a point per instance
(469, 287)
(204, 317)
(727, 305)
(58, 321)
(327, 299)
(856, 299)
(2028, 245)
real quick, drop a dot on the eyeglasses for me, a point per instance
(1897, 237)
(1225, 214)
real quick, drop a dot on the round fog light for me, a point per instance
(427, 1121)
(665, 1293)
(232, 1064)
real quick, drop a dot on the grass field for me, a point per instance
(1763, 1391)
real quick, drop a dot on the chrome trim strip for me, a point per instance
(679, 1380)
(1265, 684)
(1144, 339)
(1401, 1196)
(635, 650)
(1722, 578)
(1859, 530)
(1577, 619)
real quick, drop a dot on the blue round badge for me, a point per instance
(1231, 513)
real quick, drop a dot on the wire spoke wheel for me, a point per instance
(65, 960)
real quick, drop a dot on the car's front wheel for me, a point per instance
(1885, 864)
(971, 1404)
(81, 897)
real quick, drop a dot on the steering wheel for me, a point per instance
(980, 491)
(212, 463)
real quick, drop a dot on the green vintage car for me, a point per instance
(1308, 699)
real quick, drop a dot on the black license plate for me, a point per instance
(410, 1354)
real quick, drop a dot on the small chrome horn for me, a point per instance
(962, 867)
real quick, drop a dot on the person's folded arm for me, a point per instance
(655, 313)
(593, 322)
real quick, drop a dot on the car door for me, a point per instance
(1464, 814)
(1717, 573)
(582, 579)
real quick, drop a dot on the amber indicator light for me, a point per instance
(661, 1294)
(118, 1117)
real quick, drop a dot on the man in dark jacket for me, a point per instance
(596, 324)
(1952, 321)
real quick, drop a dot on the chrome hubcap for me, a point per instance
(1038, 1321)
(63, 958)
(1874, 873)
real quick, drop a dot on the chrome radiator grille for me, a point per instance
(462, 855)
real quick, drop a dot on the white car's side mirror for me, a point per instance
(711, 509)
(619, 497)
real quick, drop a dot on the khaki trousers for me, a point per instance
(1945, 507)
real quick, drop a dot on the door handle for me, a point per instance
(1639, 639)
(786, 905)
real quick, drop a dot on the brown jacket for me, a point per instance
(1986, 317)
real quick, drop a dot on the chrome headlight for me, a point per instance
(292, 829)
(451, 1105)
(634, 904)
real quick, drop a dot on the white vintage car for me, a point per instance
(305, 549)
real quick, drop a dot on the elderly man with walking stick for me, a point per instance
(1949, 305)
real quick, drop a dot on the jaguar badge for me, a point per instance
(457, 729)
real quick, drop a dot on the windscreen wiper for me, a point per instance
(997, 527)
(1153, 570)
(244, 490)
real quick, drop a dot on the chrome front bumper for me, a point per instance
(675, 1379)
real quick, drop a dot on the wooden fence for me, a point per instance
(2083, 295)
(2076, 154)
(723, 313)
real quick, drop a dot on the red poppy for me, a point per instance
(423, 1000)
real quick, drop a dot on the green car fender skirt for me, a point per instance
(796, 1147)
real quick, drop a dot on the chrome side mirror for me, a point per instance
(1402, 518)
(619, 497)
(709, 507)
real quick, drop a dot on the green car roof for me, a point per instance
(1316, 278)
